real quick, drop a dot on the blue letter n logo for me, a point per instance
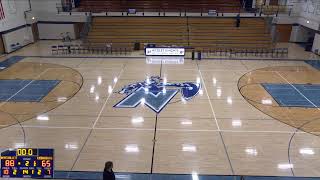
(156, 100)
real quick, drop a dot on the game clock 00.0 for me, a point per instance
(27, 163)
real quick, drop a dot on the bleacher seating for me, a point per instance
(198, 33)
(159, 5)
(125, 31)
(222, 33)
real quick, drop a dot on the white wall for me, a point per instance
(62, 17)
(308, 9)
(316, 43)
(46, 10)
(14, 12)
(53, 31)
(311, 10)
(44, 5)
(300, 34)
(15, 17)
(22, 36)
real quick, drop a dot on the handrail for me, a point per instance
(275, 9)
(64, 7)
(161, 9)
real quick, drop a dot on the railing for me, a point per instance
(260, 10)
(64, 7)
(275, 9)
(99, 9)
(247, 52)
(87, 48)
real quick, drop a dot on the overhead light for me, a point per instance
(214, 80)
(229, 100)
(33, 18)
(198, 80)
(137, 120)
(132, 148)
(148, 80)
(219, 92)
(99, 80)
(115, 79)
(62, 99)
(201, 92)
(97, 97)
(236, 123)
(164, 91)
(143, 101)
(266, 101)
(306, 151)
(92, 89)
(146, 90)
(285, 166)
(109, 89)
(43, 118)
(71, 146)
(183, 100)
(308, 22)
(164, 80)
(186, 122)
(189, 148)
(251, 151)
(195, 176)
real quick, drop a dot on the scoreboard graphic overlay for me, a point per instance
(27, 163)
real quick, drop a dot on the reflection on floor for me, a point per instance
(233, 126)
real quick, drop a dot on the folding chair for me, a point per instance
(54, 50)
(61, 49)
(73, 49)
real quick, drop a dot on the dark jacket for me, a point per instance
(108, 175)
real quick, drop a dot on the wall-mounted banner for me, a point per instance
(165, 51)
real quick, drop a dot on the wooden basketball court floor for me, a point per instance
(233, 126)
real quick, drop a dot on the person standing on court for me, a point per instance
(238, 20)
(108, 172)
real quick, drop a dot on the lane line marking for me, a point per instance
(37, 77)
(94, 124)
(298, 91)
(205, 87)
(152, 129)
(215, 118)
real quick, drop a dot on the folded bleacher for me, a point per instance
(197, 33)
(208, 33)
(126, 31)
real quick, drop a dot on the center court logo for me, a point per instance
(155, 93)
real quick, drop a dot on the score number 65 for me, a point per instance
(46, 163)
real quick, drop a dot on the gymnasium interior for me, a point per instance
(161, 89)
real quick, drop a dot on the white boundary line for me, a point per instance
(95, 122)
(151, 129)
(205, 87)
(105, 103)
(296, 129)
(3, 103)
